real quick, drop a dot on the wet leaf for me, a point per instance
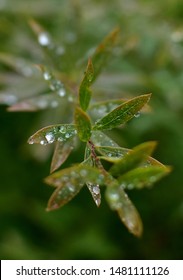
(133, 158)
(84, 90)
(83, 124)
(93, 188)
(41, 102)
(103, 52)
(100, 109)
(61, 153)
(122, 113)
(143, 176)
(68, 183)
(52, 133)
(20, 65)
(101, 139)
(111, 154)
(119, 201)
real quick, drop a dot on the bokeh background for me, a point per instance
(148, 58)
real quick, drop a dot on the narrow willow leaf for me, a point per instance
(69, 182)
(133, 158)
(83, 124)
(143, 176)
(84, 91)
(52, 133)
(20, 65)
(93, 188)
(119, 201)
(100, 109)
(122, 113)
(103, 52)
(61, 153)
(101, 139)
(41, 102)
(111, 154)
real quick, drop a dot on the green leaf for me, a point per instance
(119, 201)
(103, 52)
(52, 133)
(111, 154)
(143, 176)
(41, 102)
(133, 158)
(69, 182)
(100, 109)
(101, 139)
(19, 64)
(122, 113)
(61, 153)
(83, 124)
(93, 188)
(84, 91)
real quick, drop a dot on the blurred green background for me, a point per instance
(148, 58)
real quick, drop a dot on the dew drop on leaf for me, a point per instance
(54, 104)
(47, 76)
(137, 115)
(61, 92)
(44, 39)
(43, 142)
(63, 129)
(50, 137)
(67, 135)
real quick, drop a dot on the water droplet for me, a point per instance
(60, 139)
(96, 189)
(114, 196)
(61, 92)
(102, 110)
(54, 104)
(67, 135)
(42, 103)
(65, 178)
(83, 172)
(152, 179)
(71, 188)
(43, 142)
(31, 141)
(63, 129)
(130, 186)
(137, 115)
(44, 39)
(70, 98)
(50, 137)
(47, 76)
(60, 50)
(123, 186)
(55, 85)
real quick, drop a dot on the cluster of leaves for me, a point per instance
(129, 169)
